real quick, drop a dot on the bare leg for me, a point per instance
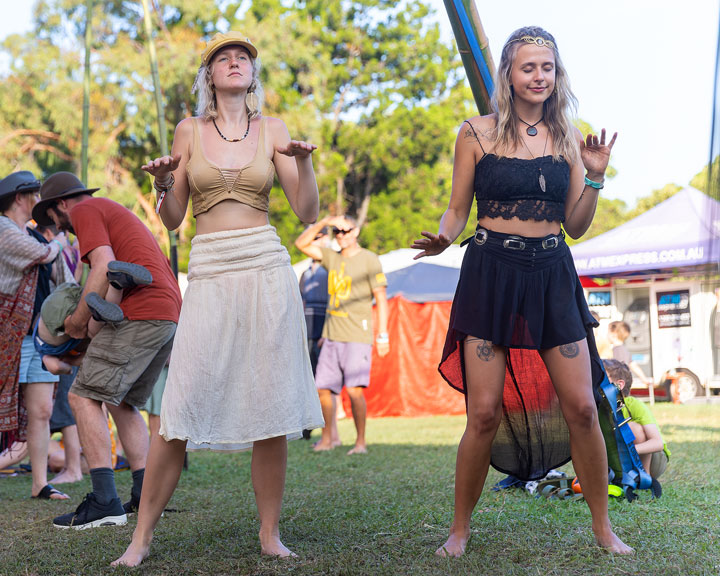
(55, 365)
(164, 465)
(133, 433)
(13, 455)
(485, 373)
(359, 411)
(641, 437)
(93, 430)
(38, 399)
(153, 425)
(337, 408)
(269, 463)
(72, 471)
(569, 369)
(328, 410)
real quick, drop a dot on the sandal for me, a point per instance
(49, 491)
(547, 487)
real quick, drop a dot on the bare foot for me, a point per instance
(362, 449)
(65, 477)
(611, 543)
(322, 446)
(272, 546)
(454, 547)
(133, 556)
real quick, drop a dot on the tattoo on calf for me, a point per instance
(485, 351)
(570, 350)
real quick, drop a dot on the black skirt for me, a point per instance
(523, 294)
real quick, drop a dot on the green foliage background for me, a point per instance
(369, 81)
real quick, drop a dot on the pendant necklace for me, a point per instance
(541, 178)
(531, 130)
(247, 131)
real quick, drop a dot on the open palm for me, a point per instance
(595, 153)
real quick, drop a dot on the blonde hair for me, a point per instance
(206, 101)
(557, 108)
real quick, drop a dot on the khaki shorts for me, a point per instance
(658, 464)
(124, 360)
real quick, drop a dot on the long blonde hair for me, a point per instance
(207, 102)
(556, 109)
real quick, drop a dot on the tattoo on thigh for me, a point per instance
(485, 351)
(570, 350)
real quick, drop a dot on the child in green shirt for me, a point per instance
(651, 448)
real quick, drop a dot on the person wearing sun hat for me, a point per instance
(25, 264)
(243, 301)
(123, 359)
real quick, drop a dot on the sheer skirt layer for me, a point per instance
(525, 300)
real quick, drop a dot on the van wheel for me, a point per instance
(688, 386)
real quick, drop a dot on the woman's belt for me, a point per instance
(514, 242)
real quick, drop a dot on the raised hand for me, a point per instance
(163, 166)
(431, 245)
(296, 148)
(595, 153)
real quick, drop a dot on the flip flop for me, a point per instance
(48, 492)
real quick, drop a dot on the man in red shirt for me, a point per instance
(123, 361)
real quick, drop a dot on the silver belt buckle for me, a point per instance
(514, 243)
(483, 236)
(550, 242)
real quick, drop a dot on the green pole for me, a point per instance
(161, 118)
(86, 92)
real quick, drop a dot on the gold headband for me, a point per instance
(537, 40)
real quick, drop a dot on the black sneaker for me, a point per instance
(127, 275)
(91, 514)
(102, 310)
(132, 506)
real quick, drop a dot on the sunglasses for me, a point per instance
(338, 231)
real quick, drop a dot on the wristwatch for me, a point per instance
(382, 338)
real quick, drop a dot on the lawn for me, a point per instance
(386, 512)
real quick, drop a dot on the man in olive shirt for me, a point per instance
(354, 277)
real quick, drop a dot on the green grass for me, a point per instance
(385, 513)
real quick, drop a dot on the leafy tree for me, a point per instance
(700, 180)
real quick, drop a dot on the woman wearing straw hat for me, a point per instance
(520, 343)
(240, 375)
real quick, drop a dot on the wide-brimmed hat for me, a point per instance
(221, 40)
(19, 182)
(59, 185)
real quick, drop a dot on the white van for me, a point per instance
(674, 330)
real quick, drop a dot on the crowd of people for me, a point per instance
(520, 330)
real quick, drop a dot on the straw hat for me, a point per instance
(230, 39)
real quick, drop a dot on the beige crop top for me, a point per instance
(210, 184)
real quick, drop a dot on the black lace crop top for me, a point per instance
(510, 187)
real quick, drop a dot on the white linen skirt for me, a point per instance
(239, 370)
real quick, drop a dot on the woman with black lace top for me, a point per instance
(520, 343)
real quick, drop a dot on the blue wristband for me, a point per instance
(593, 184)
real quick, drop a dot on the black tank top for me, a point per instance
(510, 187)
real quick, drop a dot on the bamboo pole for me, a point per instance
(86, 93)
(474, 50)
(162, 127)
